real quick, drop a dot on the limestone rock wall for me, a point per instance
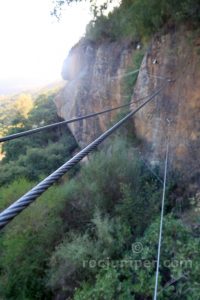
(94, 83)
(175, 55)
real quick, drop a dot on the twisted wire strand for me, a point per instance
(161, 222)
(75, 119)
(14, 209)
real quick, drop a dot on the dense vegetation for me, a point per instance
(27, 160)
(78, 240)
(23, 157)
(12, 106)
(94, 235)
(81, 236)
(139, 19)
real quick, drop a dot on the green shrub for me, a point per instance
(27, 242)
(139, 204)
(179, 264)
(111, 202)
(141, 18)
(10, 193)
(107, 286)
(66, 266)
(72, 240)
(71, 262)
(133, 276)
(34, 157)
(129, 80)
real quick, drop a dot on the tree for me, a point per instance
(97, 6)
(23, 157)
(24, 104)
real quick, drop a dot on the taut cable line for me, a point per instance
(161, 220)
(14, 209)
(75, 119)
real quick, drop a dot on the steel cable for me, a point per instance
(75, 119)
(14, 209)
(161, 223)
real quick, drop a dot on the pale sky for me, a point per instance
(33, 44)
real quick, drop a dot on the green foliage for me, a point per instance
(138, 207)
(9, 194)
(179, 262)
(27, 242)
(70, 263)
(12, 107)
(110, 205)
(106, 27)
(131, 77)
(23, 156)
(77, 240)
(111, 169)
(67, 262)
(24, 104)
(111, 234)
(107, 286)
(141, 18)
(44, 112)
(133, 277)
(97, 7)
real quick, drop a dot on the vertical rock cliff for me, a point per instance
(176, 110)
(94, 83)
(93, 73)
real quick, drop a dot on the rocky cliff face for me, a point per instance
(177, 56)
(93, 83)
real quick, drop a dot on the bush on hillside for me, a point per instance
(36, 156)
(140, 19)
(112, 202)
(27, 242)
(133, 276)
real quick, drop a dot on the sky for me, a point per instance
(33, 44)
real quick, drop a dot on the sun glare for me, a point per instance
(33, 43)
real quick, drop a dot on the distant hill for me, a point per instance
(16, 86)
(8, 101)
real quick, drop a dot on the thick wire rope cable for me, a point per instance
(14, 209)
(161, 222)
(32, 131)
(46, 127)
(75, 119)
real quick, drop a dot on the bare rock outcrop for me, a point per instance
(93, 73)
(94, 83)
(175, 55)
